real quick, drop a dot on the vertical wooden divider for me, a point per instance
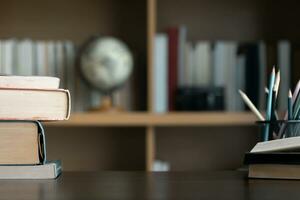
(150, 130)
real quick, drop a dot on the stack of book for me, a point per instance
(24, 102)
(275, 159)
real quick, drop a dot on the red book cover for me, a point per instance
(173, 34)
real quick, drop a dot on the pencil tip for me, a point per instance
(266, 90)
(273, 70)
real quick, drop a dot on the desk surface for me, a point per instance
(142, 185)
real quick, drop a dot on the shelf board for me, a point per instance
(151, 119)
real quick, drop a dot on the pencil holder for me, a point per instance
(279, 128)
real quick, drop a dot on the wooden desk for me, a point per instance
(142, 185)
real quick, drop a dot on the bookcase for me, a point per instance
(133, 140)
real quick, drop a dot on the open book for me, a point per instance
(285, 144)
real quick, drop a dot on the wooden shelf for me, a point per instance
(149, 119)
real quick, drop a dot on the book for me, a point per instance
(274, 171)
(189, 64)
(173, 65)
(291, 158)
(160, 82)
(262, 63)
(60, 69)
(284, 64)
(251, 51)
(224, 69)
(182, 38)
(49, 170)
(34, 104)
(240, 80)
(202, 69)
(41, 56)
(69, 51)
(50, 59)
(24, 58)
(30, 82)
(7, 54)
(285, 144)
(22, 142)
(199, 98)
(275, 159)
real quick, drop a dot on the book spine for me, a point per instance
(252, 71)
(189, 64)
(182, 37)
(202, 70)
(284, 64)
(69, 53)
(173, 66)
(160, 74)
(262, 56)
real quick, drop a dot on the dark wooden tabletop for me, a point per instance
(141, 185)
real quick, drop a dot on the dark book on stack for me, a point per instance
(24, 102)
(275, 159)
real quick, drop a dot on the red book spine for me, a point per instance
(173, 34)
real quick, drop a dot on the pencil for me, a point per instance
(296, 91)
(251, 106)
(294, 97)
(277, 82)
(269, 105)
(290, 109)
(288, 131)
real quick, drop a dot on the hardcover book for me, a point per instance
(22, 142)
(34, 104)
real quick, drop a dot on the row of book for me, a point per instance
(24, 103)
(180, 64)
(27, 57)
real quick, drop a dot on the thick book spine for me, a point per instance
(272, 158)
(173, 34)
(160, 84)
(284, 64)
(252, 73)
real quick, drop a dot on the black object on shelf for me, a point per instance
(197, 98)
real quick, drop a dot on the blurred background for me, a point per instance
(161, 76)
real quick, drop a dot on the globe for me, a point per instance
(106, 63)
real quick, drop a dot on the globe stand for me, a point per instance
(106, 105)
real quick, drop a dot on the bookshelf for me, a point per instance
(134, 140)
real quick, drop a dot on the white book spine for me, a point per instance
(219, 54)
(60, 63)
(202, 75)
(25, 58)
(225, 56)
(189, 64)
(41, 59)
(160, 74)
(51, 71)
(8, 57)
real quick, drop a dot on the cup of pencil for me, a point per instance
(272, 127)
(279, 128)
